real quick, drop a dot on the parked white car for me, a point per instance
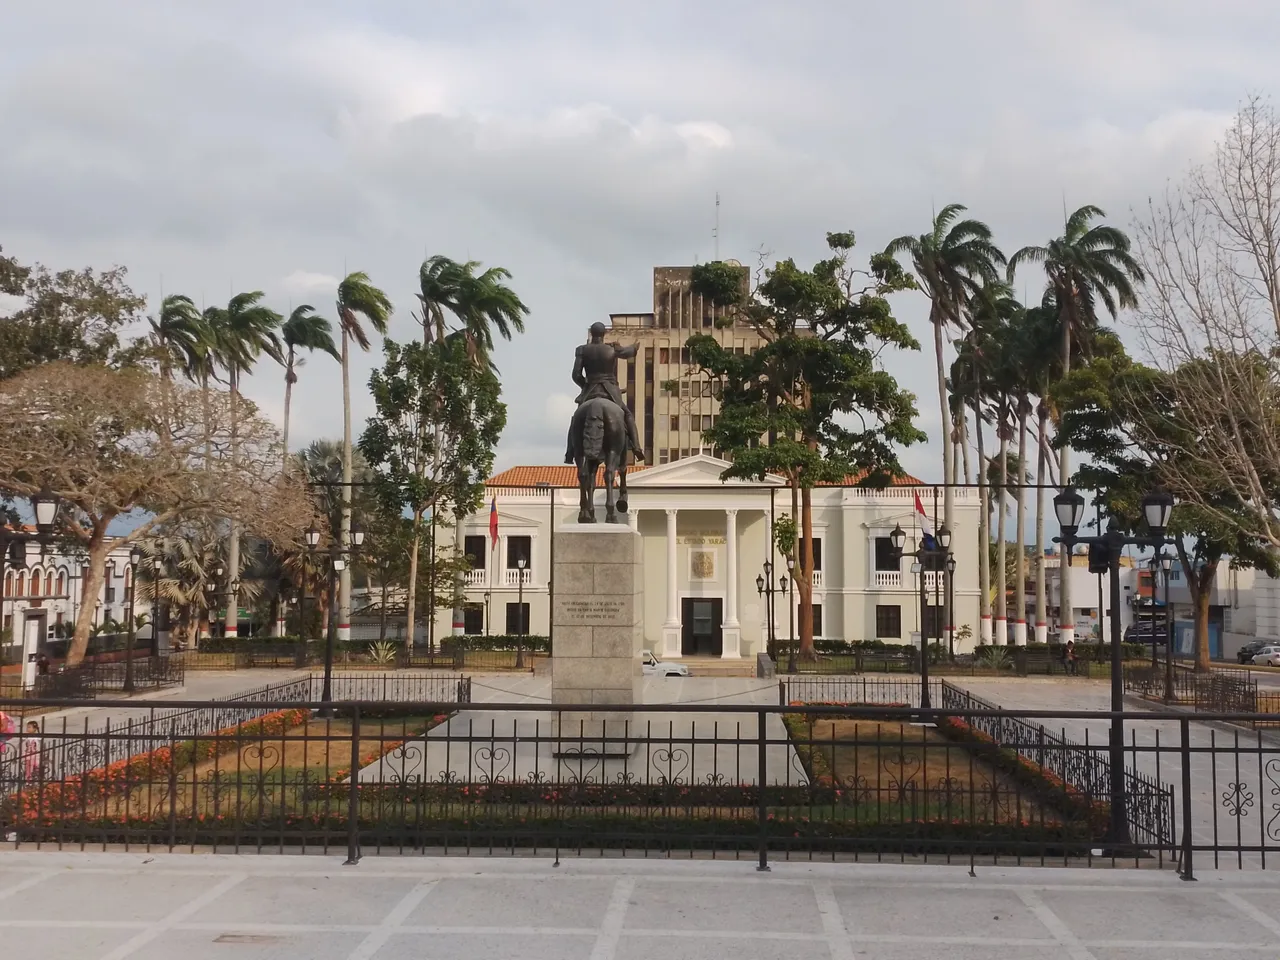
(653, 667)
(1267, 657)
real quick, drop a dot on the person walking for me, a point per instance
(31, 752)
(1073, 665)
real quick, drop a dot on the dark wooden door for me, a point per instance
(701, 622)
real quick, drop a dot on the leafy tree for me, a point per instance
(431, 441)
(71, 315)
(304, 330)
(951, 263)
(815, 390)
(1085, 265)
(99, 439)
(1126, 418)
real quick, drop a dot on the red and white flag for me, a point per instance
(925, 524)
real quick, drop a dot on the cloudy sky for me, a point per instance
(214, 148)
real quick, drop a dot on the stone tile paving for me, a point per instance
(196, 907)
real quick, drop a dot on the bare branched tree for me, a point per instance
(1210, 316)
(98, 438)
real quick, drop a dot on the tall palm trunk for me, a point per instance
(344, 581)
(948, 470)
(230, 621)
(1066, 614)
(1019, 545)
(984, 534)
(290, 378)
(964, 443)
(1042, 623)
(1002, 613)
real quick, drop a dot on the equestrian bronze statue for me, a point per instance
(603, 429)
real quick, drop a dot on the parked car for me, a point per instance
(1246, 653)
(1268, 656)
(1144, 631)
(651, 666)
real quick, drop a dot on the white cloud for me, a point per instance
(273, 146)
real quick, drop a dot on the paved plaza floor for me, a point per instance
(59, 906)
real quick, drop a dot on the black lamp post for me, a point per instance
(788, 591)
(520, 565)
(135, 555)
(311, 538)
(1166, 567)
(338, 562)
(764, 588)
(936, 559)
(951, 606)
(488, 598)
(1157, 507)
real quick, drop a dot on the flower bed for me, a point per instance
(73, 794)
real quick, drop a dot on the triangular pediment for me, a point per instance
(702, 470)
(505, 519)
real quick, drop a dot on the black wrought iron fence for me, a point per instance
(860, 779)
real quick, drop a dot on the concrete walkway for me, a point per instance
(158, 907)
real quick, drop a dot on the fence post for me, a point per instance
(1184, 726)
(762, 811)
(782, 693)
(353, 801)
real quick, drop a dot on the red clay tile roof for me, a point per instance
(557, 476)
(567, 476)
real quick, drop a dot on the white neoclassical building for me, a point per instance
(705, 544)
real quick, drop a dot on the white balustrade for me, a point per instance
(817, 578)
(513, 577)
(477, 578)
(887, 579)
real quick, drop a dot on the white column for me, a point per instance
(731, 631)
(671, 628)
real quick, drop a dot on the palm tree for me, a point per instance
(177, 337)
(303, 330)
(951, 262)
(357, 298)
(1085, 265)
(989, 311)
(244, 331)
(1040, 369)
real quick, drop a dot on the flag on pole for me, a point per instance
(925, 524)
(493, 521)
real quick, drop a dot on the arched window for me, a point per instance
(35, 583)
(62, 581)
(22, 584)
(8, 584)
(48, 584)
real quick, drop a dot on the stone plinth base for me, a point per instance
(597, 625)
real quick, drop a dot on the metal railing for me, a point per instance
(861, 779)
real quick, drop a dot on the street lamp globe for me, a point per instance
(357, 534)
(45, 506)
(312, 536)
(135, 556)
(951, 564)
(1166, 563)
(1069, 508)
(219, 570)
(898, 538)
(783, 583)
(1157, 507)
(521, 563)
(944, 538)
(768, 570)
(760, 584)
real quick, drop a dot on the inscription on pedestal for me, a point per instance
(595, 611)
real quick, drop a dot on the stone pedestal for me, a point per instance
(597, 625)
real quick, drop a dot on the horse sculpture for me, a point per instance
(598, 437)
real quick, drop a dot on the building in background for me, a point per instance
(42, 598)
(705, 544)
(671, 401)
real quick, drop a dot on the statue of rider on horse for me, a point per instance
(603, 429)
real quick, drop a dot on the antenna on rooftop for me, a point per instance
(715, 233)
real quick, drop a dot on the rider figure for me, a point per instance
(595, 370)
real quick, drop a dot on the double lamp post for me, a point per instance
(338, 558)
(933, 557)
(1157, 507)
(765, 588)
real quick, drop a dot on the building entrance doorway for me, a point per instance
(701, 635)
